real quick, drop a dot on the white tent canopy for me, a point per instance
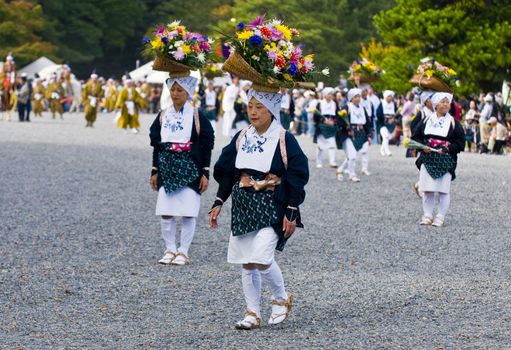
(37, 66)
(153, 76)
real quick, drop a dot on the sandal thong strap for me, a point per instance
(252, 325)
(187, 259)
(287, 303)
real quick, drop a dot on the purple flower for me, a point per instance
(292, 69)
(255, 40)
(165, 39)
(272, 55)
(146, 40)
(276, 34)
(179, 55)
(256, 21)
(241, 25)
(160, 30)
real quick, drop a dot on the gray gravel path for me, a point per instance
(79, 245)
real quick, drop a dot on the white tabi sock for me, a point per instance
(187, 233)
(251, 281)
(273, 277)
(319, 156)
(168, 232)
(428, 204)
(331, 156)
(444, 200)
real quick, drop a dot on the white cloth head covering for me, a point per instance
(269, 99)
(327, 90)
(439, 96)
(426, 95)
(93, 76)
(187, 83)
(364, 87)
(488, 98)
(388, 93)
(353, 92)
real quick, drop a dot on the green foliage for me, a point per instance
(471, 37)
(24, 41)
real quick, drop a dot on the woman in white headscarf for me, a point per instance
(386, 114)
(182, 140)
(444, 138)
(325, 129)
(265, 171)
(355, 137)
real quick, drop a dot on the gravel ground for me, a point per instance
(80, 243)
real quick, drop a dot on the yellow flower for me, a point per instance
(451, 72)
(342, 112)
(157, 43)
(245, 34)
(287, 77)
(186, 49)
(284, 30)
(406, 142)
(267, 47)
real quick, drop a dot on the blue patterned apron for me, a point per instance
(252, 210)
(437, 165)
(177, 169)
(359, 139)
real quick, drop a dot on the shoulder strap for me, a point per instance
(197, 121)
(283, 151)
(240, 137)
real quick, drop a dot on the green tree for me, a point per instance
(472, 37)
(20, 32)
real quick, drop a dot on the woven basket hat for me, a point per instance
(429, 83)
(175, 69)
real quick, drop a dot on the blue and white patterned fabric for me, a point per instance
(176, 126)
(270, 100)
(187, 83)
(256, 151)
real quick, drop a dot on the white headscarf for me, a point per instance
(388, 93)
(327, 90)
(269, 99)
(353, 92)
(426, 95)
(439, 96)
(187, 83)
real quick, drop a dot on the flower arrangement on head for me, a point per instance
(364, 71)
(265, 54)
(178, 50)
(211, 71)
(432, 75)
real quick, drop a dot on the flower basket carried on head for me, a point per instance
(429, 83)
(175, 69)
(264, 53)
(236, 65)
(364, 71)
(431, 75)
(363, 78)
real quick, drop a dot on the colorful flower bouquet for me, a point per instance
(364, 71)
(265, 54)
(211, 71)
(178, 50)
(431, 75)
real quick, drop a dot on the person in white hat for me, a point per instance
(325, 128)
(444, 138)
(38, 98)
(387, 113)
(487, 112)
(229, 97)
(182, 139)
(127, 107)
(355, 138)
(92, 95)
(55, 93)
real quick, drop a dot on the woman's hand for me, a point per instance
(213, 216)
(288, 227)
(153, 182)
(203, 184)
(426, 150)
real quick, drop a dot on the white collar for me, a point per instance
(438, 126)
(357, 114)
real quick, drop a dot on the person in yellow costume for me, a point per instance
(128, 103)
(145, 93)
(111, 95)
(38, 98)
(54, 93)
(91, 97)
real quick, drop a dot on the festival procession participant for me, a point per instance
(325, 119)
(230, 96)
(145, 94)
(182, 139)
(38, 98)
(210, 104)
(111, 94)
(263, 168)
(286, 108)
(92, 94)
(8, 98)
(24, 94)
(441, 138)
(387, 114)
(54, 94)
(355, 137)
(241, 120)
(128, 103)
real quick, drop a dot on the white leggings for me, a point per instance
(331, 156)
(428, 204)
(350, 162)
(168, 232)
(385, 137)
